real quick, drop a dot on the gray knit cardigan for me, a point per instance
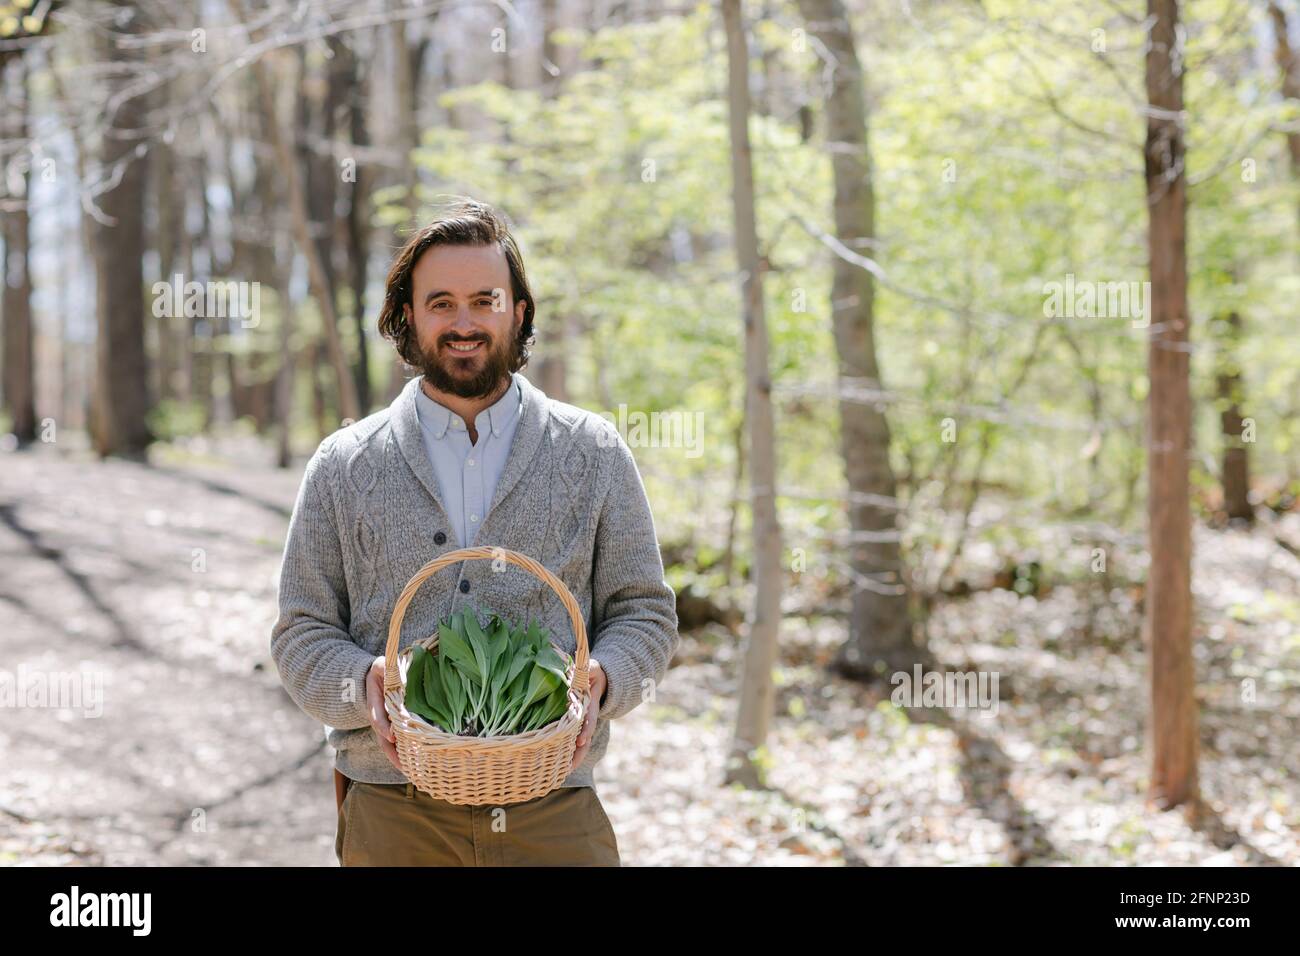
(369, 515)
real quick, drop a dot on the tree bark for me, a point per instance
(733, 511)
(1288, 65)
(312, 355)
(1172, 732)
(284, 376)
(1231, 393)
(554, 331)
(122, 398)
(165, 241)
(408, 133)
(200, 333)
(315, 119)
(757, 694)
(19, 374)
(357, 223)
(880, 640)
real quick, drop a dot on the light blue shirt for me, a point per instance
(467, 474)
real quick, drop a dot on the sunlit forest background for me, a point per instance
(958, 472)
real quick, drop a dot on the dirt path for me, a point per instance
(159, 584)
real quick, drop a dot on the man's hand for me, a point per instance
(598, 685)
(378, 715)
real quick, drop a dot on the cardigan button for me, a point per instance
(464, 587)
(440, 538)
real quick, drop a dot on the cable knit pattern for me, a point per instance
(367, 518)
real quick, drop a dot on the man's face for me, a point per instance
(465, 319)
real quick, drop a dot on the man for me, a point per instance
(470, 453)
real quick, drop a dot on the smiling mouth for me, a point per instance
(465, 348)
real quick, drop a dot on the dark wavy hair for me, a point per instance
(462, 222)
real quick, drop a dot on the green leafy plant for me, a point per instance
(488, 681)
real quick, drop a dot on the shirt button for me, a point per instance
(473, 517)
(439, 538)
(464, 587)
(471, 462)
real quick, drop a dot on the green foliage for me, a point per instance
(504, 679)
(1006, 146)
(171, 419)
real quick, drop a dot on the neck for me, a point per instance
(466, 408)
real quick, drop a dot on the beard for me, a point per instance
(470, 376)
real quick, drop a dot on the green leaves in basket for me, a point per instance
(454, 645)
(542, 682)
(435, 694)
(478, 642)
(550, 660)
(501, 656)
(418, 699)
(453, 683)
(415, 699)
(488, 680)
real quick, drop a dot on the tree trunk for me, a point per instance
(317, 118)
(880, 640)
(19, 374)
(122, 370)
(1231, 393)
(313, 357)
(407, 121)
(552, 369)
(163, 184)
(314, 119)
(357, 224)
(1289, 66)
(281, 269)
(548, 364)
(733, 511)
(1168, 624)
(204, 341)
(757, 694)
(284, 377)
(186, 370)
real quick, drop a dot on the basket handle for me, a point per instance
(393, 680)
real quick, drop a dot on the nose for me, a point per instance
(464, 323)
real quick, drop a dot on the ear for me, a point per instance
(520, 308)
(406, 312)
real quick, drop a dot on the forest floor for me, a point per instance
(162, 579)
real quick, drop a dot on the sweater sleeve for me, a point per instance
(633, 606)
(321, 667)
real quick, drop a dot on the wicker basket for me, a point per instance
(483, 770)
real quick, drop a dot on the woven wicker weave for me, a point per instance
(483, 770)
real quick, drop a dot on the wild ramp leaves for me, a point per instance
(488, 681)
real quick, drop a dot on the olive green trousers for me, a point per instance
(398, 825)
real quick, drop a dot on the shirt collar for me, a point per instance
(437, 418)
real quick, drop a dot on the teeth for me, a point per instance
(465, 348)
